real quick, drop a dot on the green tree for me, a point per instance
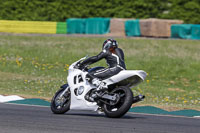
(60, 10)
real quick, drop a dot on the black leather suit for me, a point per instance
(115, 61)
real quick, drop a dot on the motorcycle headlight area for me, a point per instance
(80, 90)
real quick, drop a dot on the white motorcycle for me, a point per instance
(79, 94)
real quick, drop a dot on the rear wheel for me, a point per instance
(116, 110)
(61, 103)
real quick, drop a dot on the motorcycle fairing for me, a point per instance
(77, 80)
(128, 78)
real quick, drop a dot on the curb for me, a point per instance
(10, 98)
(155, 110)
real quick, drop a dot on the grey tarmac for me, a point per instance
(37, 119)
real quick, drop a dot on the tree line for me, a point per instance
(60, 10)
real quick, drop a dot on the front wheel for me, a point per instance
(122, 106)
(60, 103)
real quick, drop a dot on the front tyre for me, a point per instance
(61, 103)
(122, 106)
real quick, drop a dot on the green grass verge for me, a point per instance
(36, 66)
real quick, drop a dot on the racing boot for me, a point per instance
(99, 84)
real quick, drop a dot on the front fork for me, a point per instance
(66, 88)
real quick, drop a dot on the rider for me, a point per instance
(115, 59)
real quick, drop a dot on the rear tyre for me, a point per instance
(61, 104)
(122, 106)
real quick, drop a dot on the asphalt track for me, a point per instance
(35, 119)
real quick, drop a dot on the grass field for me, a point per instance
(35, 66)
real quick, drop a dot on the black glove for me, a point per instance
(80, 66)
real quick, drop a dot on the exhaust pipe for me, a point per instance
(138, 98)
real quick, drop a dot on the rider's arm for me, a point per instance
(94, 59)
(120, 53)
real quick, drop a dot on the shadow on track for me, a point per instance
(93, 114)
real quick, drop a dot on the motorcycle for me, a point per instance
(79, 94)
